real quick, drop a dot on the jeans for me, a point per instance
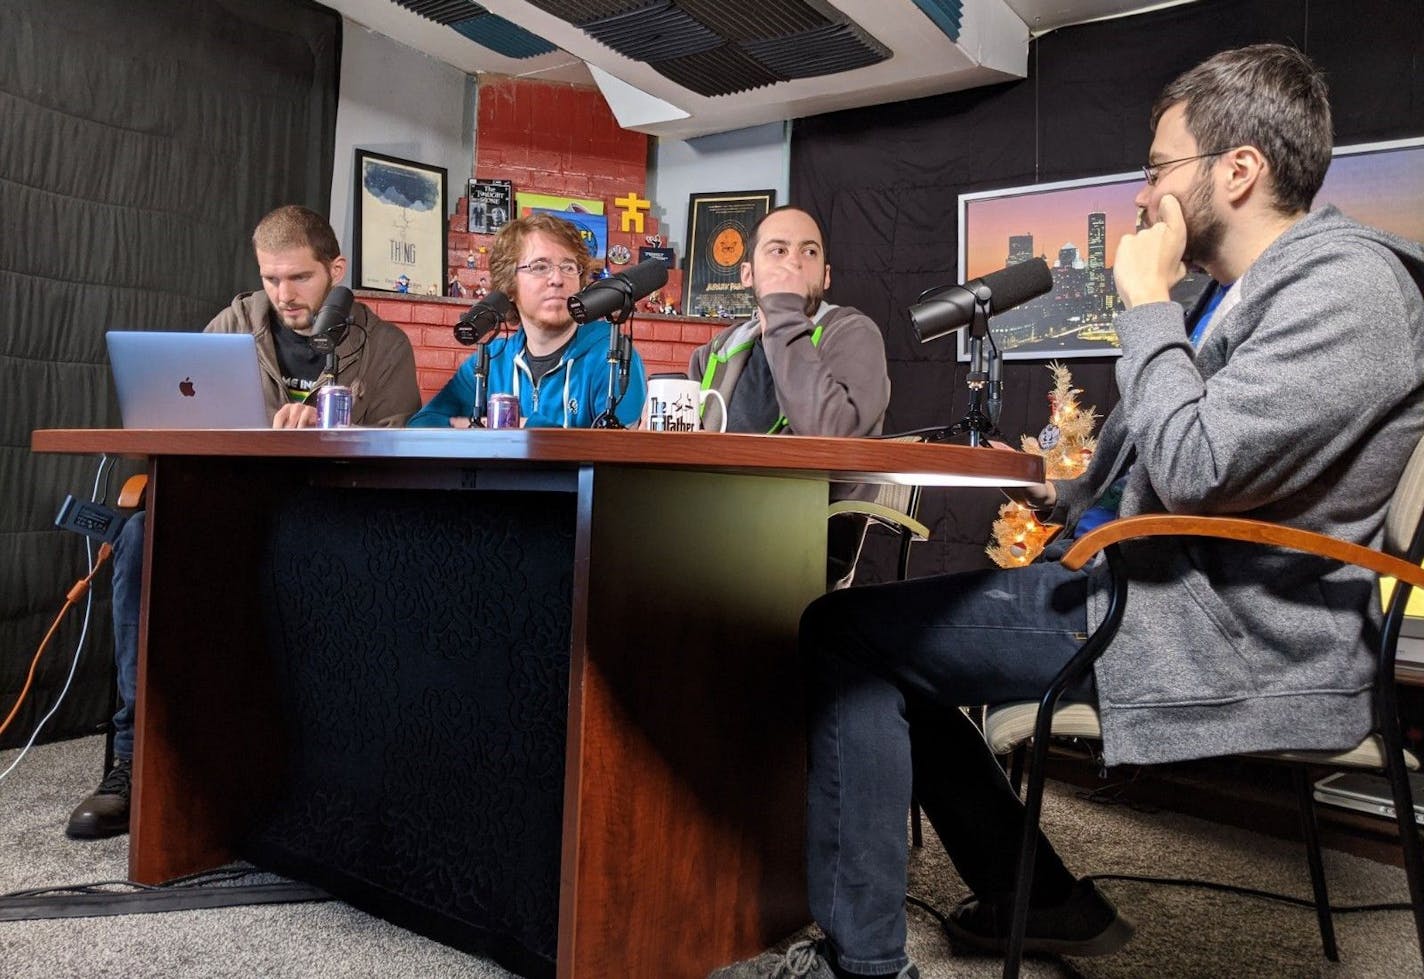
(890, 665)
(127, 582)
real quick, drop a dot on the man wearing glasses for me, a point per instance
(557, 369)
(1293, 392)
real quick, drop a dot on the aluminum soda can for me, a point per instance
(333, 406)
(503, 411)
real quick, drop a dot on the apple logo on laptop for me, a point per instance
(185, 387)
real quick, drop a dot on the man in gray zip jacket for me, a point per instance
(800, 365)
(1293, 392)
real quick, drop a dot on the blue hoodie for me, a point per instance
(571, 395)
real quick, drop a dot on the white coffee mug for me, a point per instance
(674, 404)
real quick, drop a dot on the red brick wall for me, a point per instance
(550, 138)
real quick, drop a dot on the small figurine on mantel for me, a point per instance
(482, 290)
(470, 260)
(402, 283)
(453, 287)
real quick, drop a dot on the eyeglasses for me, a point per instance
(541, 269)
(1153, 171)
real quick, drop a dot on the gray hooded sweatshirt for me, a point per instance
(1301, 406)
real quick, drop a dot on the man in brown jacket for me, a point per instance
(300, 262)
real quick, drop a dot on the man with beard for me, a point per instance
(299, 261)
(800, 365)
(1293, 393)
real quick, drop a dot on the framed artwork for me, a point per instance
(1075, 226)
(529, 201)
(399, 231)
(718, 228)
(489, 206)
(592, 229)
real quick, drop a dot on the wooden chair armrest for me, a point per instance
(131, 496)
(883, 514)
(1238, 528)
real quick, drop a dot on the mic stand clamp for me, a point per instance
(620, 355)
(977, 424)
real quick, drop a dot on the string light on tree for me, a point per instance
(1066, 444)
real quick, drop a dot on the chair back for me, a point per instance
(1402, 537)
(897, 496)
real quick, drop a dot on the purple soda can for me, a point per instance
(333, 406)
(503, 411)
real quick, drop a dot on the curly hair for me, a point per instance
(1269, 96)
(509, 245)
(293, 226)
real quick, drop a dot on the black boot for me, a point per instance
(106, 812)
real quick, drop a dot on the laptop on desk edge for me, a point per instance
(187, 380)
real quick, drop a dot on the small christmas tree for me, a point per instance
(1066, 444)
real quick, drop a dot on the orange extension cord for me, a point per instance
(75, 594)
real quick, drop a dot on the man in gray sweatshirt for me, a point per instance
(1292, 392)
(799, 365)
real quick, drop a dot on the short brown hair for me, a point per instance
(1269, 96)
(293, 226)
(509, 245)
(756, 228)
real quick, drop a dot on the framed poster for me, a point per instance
(1075, 226)
(399, 230)
(718, 229)
(489, 205)
(592, 230)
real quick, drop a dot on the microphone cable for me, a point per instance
(79, 590)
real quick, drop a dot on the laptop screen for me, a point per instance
(188, 380)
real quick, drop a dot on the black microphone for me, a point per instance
(329, 324)
(946, 309)
(617, 292)
(483, 318)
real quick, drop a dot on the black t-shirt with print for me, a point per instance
(299, 364)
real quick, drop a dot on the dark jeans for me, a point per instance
(890, 665)
(128, 578)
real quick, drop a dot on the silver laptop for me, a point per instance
(187, 380)
(1367, 792)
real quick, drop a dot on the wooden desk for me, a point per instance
(534, 693)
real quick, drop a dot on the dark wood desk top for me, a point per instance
(836, 459)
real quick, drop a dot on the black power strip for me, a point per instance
(94, 520)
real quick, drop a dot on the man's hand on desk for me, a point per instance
(1041, 496)
(295, 415)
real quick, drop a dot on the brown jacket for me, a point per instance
(377, 362)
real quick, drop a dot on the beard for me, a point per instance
(813, 301)
(1205, 230)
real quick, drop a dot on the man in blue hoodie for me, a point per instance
(557, 369)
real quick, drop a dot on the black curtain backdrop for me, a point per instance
(142, 142)
(885, 182)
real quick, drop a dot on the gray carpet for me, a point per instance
(1181, 932)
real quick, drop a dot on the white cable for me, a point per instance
(83, 632)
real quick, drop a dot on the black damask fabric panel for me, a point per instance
(142, 142)
(423, 648)
(885, 183)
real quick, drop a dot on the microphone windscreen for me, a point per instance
(1015, 285)
(499, 303)
(329, 324)
(646, 277)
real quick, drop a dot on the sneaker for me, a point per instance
(803, 960)
(106, 812)
(1085, 925)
